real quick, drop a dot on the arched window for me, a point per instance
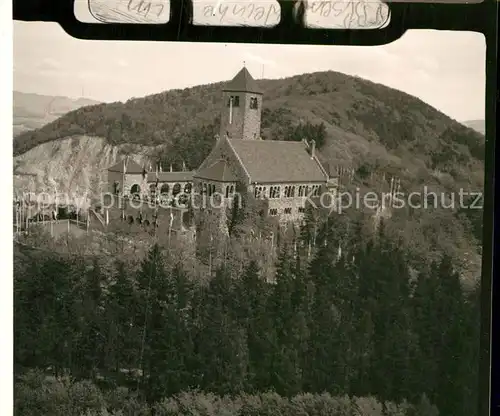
(229, 191)
(187, 188)
(254, 103)
(135, 190)
(274, 192)
(235, 99)
(211, 189)
(289, 191)
(176, 189)
(183, 199)
(164, 189)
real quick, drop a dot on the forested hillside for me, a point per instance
(358, 331)
(373, 131)
(357, 115)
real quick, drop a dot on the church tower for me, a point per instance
(242, 106)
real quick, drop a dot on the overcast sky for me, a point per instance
(445, 69)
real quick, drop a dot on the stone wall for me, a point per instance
(252, 118)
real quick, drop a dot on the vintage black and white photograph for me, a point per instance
(245, 229)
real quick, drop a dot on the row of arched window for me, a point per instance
(210, 189)
(165, 189)
(289, 191)
(234, 101)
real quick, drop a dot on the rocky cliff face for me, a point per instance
(74, 166)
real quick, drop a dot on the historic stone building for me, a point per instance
(281, 173)
(128, 178)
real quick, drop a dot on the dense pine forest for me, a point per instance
(339, 332)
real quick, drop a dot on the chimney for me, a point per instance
(313, 149)
(306, 144)
(171, 170)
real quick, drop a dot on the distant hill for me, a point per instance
(376, 131)
(32, 111)
(477, 125)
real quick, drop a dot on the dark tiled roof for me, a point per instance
(243, 82)
(131, 167)
(277, 161)
(219, 171)
(171, 176)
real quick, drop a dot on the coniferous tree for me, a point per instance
(54, 305)
(90, 353)
(124, 334)
(286, 370)
(252, 310)
(427, 331)
(451, 317)
(308, 230)
(222, 344)
(325, 314)
(470, 352)
(43, 314)
(154, 290)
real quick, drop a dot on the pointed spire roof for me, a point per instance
(243, 82)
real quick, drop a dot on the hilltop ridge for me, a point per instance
(32, 111)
